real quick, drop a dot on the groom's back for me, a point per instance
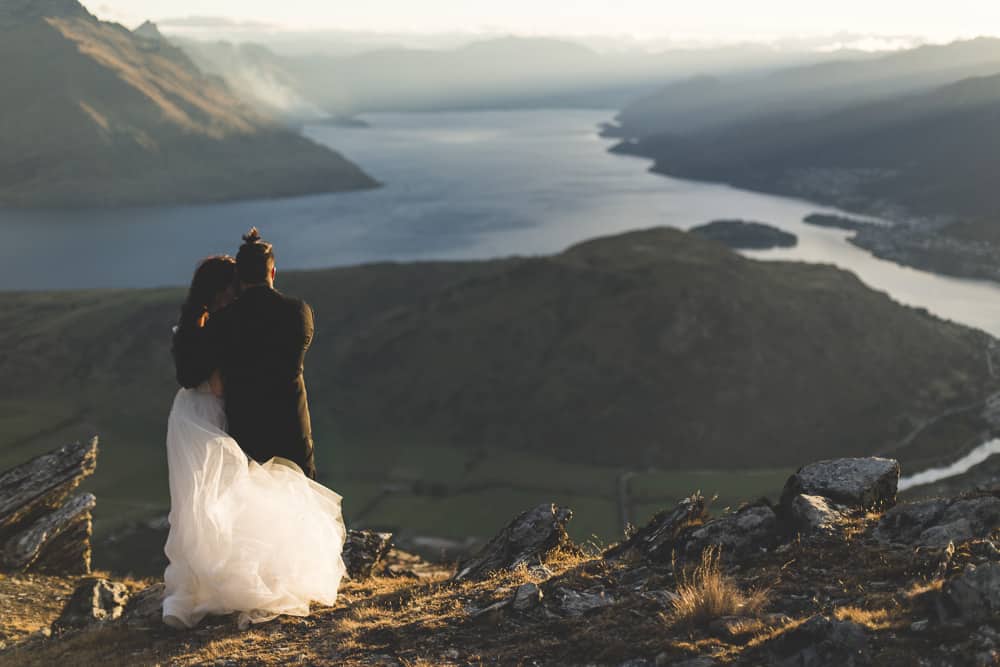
(261, 342)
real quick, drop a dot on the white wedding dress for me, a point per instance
(259, 539)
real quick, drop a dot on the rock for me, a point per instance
(578, 603)
(145, 608)
(935, 523)
(864, 483)
(526, 597)
(971, 597)
(39, 529)
(93, 601)
(739, 533)
(813, 514)
(43, 483)
(657, 540)
(363, 551)
(529, 537)
(40, 540)
(820, 642)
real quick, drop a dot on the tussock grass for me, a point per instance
(873, 619)
(707, 594)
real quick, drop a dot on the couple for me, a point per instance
(250, 531)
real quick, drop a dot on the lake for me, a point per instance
(458, 185)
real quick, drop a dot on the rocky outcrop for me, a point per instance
(93, 601)
(738, 534)
(42, 528)
(864, 483)
(658, 539)
(937, 522)
(527, 539)
(363, 551)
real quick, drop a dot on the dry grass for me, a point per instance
(873, 619)
(707, 594)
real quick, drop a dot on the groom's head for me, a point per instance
(255, 260)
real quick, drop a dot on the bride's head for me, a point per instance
(213, 287)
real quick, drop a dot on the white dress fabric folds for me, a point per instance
(244, 537)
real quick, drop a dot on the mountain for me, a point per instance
(504, 72)
(707, 103)
(653, 348)
(931, 154)
(95, 115)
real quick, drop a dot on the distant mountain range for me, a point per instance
(94, 115)
(507, 72)
(907, 145)
(703, 103)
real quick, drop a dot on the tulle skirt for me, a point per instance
(244, 537)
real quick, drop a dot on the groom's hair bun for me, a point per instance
(255, 259)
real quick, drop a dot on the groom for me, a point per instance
(261, 342)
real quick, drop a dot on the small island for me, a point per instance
(743, 235)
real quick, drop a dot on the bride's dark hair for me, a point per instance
(212, 276)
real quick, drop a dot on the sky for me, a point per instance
(692, 20)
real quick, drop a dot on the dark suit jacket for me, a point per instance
(260, 343)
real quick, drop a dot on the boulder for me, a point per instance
(145, 608)
(657, 540)
(739, 533)
(528, 538)
(820, 642)
(865, 483)
(363, 551)
(971, 597)
(93, 601)
(60, 539)
(937, 522)
(526, 597)
(40, 530)
(813, 514)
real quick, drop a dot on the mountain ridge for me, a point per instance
(108, 118)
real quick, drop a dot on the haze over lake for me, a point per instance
(463, 185)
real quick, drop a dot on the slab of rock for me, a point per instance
(363, 551)
(971, 597)
(937, 522)
(43, 483)
(813, 514)
(821, 642)
(865, 483)
(528, 538)
(145, 608)
(739, 533)
(40, 540)
(578, 603)
(93, 601)
(657, 540)
(40, 530)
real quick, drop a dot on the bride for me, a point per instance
(259, 539)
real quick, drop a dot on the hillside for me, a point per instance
(836, 574)
(97, 116)
(707, 103)
(929, 154)
(487, 379)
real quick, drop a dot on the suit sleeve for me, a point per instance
(308, 326)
